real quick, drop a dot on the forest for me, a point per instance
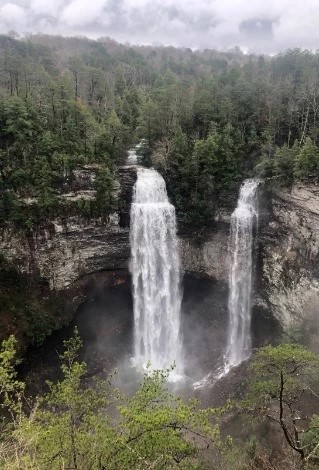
(207, 119)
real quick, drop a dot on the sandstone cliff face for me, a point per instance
(206, 255)
(65, 251)
(290, 256)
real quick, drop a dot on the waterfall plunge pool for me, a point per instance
(105, 323)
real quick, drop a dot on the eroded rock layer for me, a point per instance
(290, 255)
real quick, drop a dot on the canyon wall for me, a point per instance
(67, 252)
(286, 257)
(206, 255)
(64, 251)
(289, 256)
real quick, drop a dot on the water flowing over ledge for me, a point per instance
(240, 282)
(240, 275)
(155, 268)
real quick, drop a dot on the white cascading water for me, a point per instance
(132, 157)
(240, 275)
(155, 269)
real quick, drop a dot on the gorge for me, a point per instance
(74, 254)
(159, 244)
(99, 264)
(140, 237)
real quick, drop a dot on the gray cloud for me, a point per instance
(257, 28)
(219, 24)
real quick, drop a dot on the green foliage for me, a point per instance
(104, 186)
(307, 161)
(284, 164)
(291, 164)
(202, 167)
(28, 306)
(11, 388)
(79, 426)
(202, 173)
(283, 379)
(65, 102)
(296, 364)
(42, 141)
(310, 441)
(155, 424)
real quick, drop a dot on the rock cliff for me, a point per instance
(206, 255)
(286, 257)
(67, 250)
(289, 256)
(72, 252)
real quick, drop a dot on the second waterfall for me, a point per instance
(155, 269)
(240, 275)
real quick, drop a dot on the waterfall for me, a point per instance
(132, 157)
(155, 269)
(240, 275)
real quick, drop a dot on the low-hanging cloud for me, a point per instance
(257, 26)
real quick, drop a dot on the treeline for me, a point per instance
(208, 120)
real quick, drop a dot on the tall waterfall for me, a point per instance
(155, 269)
(240, 275)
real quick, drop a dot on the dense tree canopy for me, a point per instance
(93, 426)
(209, 119)
(83, 423)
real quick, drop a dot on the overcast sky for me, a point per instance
(267, 26)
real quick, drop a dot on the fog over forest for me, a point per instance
(263, 27)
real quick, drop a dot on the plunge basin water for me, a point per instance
(105, 323)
